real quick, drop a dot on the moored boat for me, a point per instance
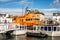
(22, 30)
(35, 32)
(51, 30)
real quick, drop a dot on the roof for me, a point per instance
(39, 13)
(2, 14)
(56, 14)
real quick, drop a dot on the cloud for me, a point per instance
(4, 0)
(55, 3)
(24, 1)
(49, 12)
(21, 2)
(52, 9)
(14, 11)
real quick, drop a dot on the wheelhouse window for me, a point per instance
(42, 28)
(54, 29)
(17, 27)
(49, 28)
(36, 19)
(45, 28)
(22, 27)
(29, 19)
(29, 27)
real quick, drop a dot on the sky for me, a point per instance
(16, 6)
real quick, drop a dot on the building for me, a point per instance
(4, 18)
(56, 17)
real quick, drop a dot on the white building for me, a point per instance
(4, 17)
(56, 17)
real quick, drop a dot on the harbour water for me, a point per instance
(23, 37)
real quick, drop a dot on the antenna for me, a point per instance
(26, 9)
(22, 11)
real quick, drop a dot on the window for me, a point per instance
(36, 19)
(21, 20)
(29, 19)
(17, 27)
(45, 28)
(54, 28)
(49, 28)
(30, 27)
(22, 27)
(42, 28)
(26, 19)
(14, 18)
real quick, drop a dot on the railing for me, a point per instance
(8, 27)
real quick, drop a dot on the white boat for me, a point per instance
(5, 23)
(22, 30)
(4, 27)
(51, 30)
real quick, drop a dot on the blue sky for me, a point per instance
(43, 4)
(16, 5)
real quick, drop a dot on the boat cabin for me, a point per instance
(50, 28)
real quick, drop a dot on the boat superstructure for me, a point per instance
(51, 30)
(30, 19)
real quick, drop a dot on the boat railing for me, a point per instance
(20, 27)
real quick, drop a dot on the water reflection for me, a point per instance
(56, 38)
(23, 37)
